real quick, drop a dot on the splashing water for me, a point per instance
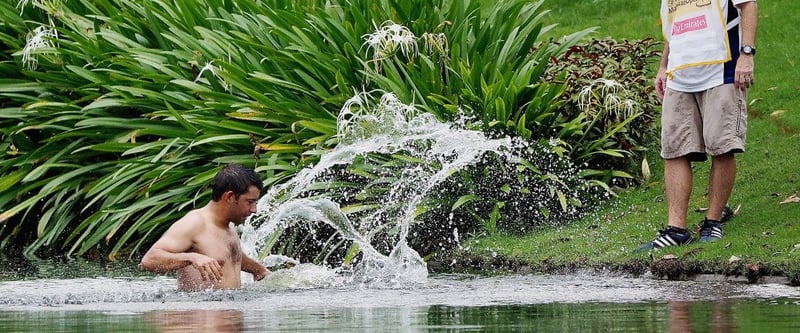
(388, 129)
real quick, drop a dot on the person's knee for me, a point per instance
(724, 157)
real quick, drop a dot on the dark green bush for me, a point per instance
(613, 134)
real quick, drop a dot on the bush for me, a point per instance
(116, 114)
(609, 92)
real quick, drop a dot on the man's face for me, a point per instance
(244, 205)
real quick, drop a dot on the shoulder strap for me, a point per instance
(733, 15)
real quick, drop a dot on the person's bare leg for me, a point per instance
(720, 184)
(680, 318)
(678, 185)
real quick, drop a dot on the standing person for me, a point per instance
(203, 246)
(706, 69)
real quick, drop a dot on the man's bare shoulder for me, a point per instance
(194, 216)
(189, 224)
(183, 234)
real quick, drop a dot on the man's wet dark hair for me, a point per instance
(236, 178)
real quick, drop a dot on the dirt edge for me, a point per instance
(679, 269)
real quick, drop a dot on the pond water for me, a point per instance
(383, 292)
(303, 299)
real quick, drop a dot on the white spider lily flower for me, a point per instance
(367, 113)
(391, 105)
(389, 99)
(435, 43)
(629, 106)
(349, 110)
(376, 39)
(585, 97)
(24, 3)
(406, 41)
(209, 66)
(612, 102)
(38, 39)
(608, 86)
(394, 28)
(390, 37)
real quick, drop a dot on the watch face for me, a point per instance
(748, 49)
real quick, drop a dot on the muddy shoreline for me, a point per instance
(667, 268)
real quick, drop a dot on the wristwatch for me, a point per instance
(748, 50)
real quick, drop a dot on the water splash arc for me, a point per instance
(388, 128)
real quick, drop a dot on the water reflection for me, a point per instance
(196, 321)
(686, 316)
(21, 267)
(723, 315)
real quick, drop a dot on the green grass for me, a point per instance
(615, 18)
(765, 233)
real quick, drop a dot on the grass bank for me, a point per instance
(762, 240)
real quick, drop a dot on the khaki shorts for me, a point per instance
(711, 122)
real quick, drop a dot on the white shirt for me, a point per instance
(692, 75)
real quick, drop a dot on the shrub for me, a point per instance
(609, 92)
(116, 114)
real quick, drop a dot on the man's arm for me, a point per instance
(254, 267)
(169, 253)
(661, 77)
(745, 65)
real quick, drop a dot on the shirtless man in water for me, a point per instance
(203, 246)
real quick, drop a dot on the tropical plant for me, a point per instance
(116, 114)
(128, 107)
(495, 81)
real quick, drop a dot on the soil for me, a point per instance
(669, 268)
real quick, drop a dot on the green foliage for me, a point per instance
(122, 124)
(469, 59)
(610, 103)
(482, 60)
(116, 116)
(541, 189)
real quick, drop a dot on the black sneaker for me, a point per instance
(710, 231)
(727, 214)
(669, 236)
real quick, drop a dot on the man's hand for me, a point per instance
(661, 82)
(254, 267)
(260, 275)
(210, 269)
(743, 78)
